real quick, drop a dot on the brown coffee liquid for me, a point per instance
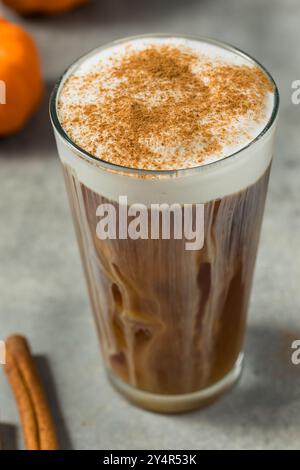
(172, 321)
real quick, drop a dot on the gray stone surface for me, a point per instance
(42, 291)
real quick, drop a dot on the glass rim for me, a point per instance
(80, 152)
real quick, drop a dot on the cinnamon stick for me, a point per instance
(37, 423)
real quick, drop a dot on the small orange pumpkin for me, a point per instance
(20, 77)
(51, 7)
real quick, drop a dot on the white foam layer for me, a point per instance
(119, 49)
(244, 129)
(208, 182)
(198, 185)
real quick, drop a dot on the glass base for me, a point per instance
(178, 403)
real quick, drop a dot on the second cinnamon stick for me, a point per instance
(37, 422)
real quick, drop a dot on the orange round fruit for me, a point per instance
(51, 7)
(21, 82)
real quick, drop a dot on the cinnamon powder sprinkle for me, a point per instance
(163, 107)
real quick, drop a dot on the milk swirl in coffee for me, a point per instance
(169, 120)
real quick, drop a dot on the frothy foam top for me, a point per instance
(165, 103)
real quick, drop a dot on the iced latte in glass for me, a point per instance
(153, 131)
